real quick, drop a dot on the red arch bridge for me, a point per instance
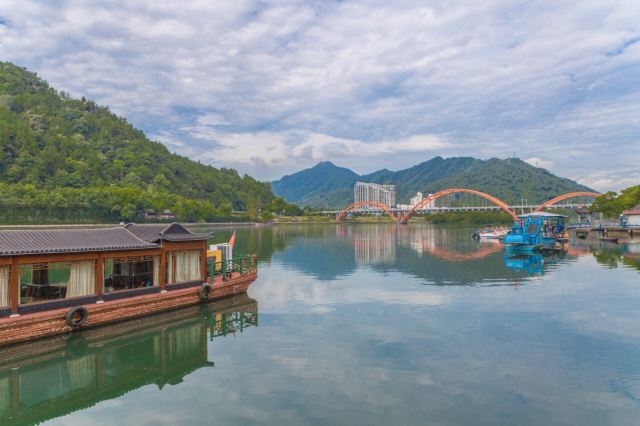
(403, 215)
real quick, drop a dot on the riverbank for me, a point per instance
(468, 218)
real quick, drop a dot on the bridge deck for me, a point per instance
(526, 207)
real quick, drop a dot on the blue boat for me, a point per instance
(534, 232)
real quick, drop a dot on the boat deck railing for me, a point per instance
(242, 265)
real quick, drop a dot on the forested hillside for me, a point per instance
(510, 179)
(59, 154)
(324, 184)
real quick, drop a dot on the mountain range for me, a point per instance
(61, 155)
(511, 179)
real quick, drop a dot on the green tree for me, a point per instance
(611, 204)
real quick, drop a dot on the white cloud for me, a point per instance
(558, 82)
(212, 119)
(303, 148)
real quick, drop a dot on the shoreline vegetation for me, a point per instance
(612, 204)
(475, 218)
(267, 218)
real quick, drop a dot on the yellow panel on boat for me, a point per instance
(217, 255)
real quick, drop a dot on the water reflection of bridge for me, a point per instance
(427, 251)
(50, 378)
(378, 244)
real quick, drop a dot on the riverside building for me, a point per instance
(375, 193)
(415, 200)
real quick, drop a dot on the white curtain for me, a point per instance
(82, 279)
(156, 271)
(194, 265)
(170, 279)
(5, 281)
(187, 265)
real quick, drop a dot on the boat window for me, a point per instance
(183, 266)
(56, 280)
(5, 280)
(127, 273)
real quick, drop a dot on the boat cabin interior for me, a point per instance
(549, 224)
(53, 268)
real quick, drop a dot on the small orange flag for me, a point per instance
(232, 241)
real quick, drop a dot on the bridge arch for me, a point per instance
(565, 197)
(408, 215)
(351, 207)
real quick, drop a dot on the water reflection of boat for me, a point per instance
(49, 378)
(532, 263)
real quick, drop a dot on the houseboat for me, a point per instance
(60, 280)
(535, 231)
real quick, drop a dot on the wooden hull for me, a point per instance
(51, 323)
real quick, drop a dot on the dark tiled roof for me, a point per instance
(69, 241)
(171, 232)
(146, 232)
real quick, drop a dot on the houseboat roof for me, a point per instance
(49, 241)
(542, 214)
(633, 211)
(155, 232)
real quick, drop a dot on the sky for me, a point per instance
(272, 87)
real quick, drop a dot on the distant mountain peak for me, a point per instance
(510, 179)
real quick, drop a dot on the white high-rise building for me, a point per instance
(373, 192)
(415, 200)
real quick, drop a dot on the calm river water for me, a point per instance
(361, 324)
